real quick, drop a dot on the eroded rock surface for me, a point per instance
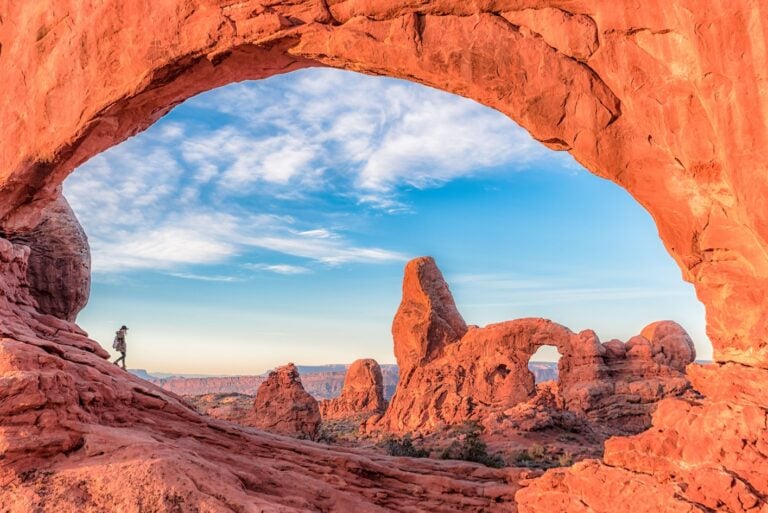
(78, 434)
(484, 371)
(59, 267)
(665, 98)
(362, 394)
(283, 406)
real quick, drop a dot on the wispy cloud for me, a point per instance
(205, 277)
(380, 134)
(513, 290)
(200, 190)
(278, 268)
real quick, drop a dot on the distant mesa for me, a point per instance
(321, 381)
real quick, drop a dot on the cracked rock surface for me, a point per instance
(665, 98)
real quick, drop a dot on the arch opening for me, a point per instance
(544, 363)
(234, 152)
(702, 191)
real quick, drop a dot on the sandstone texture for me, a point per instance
(79, 435)
(362, 395)
(232, 407)
(473, 373)
(59, 267)
(283, 406)
(664, 98)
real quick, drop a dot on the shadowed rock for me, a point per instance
(59, 268)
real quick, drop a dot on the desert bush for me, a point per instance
(403, 447)
(536, 452)
(565, 459)
(470, 447)
(536, 456)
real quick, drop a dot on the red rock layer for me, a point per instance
(362, 394)
(283, 406)
(637, 93)
(484, 372)
(699, 456)
(79, 435)
(322, 385)
(665, 98)
(59, 267)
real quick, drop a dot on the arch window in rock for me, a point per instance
(258, 223)
(636, 96)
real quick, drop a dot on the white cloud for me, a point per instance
(381, 133)
(193, 193)
(205, 277)
(278, 268)
(324, 250)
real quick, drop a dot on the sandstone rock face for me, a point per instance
(700, 456)
(665, 98)
(484, 373)
(427, 319)
(543, 410)
(283, 406)
(59, 269)
(362, 395)
(78, 434)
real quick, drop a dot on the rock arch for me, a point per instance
(663, 98)
(451, 373)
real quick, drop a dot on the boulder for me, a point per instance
(283, 406)
(362, 394)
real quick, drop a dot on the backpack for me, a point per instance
(118, 342)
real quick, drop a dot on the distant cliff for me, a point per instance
(322, 381)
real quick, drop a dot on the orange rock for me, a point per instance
(427, 319)
(664, 98)
(283, 406)
(362, 394)
(59, 270)
(484, 373)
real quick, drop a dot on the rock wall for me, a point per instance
(283, 406)
(59, 265)
(665, 98)
(362, 394)
(477, 373)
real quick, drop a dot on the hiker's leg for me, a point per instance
(123, 359)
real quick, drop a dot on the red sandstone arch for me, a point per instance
(663, 98)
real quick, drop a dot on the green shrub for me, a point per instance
(472, 448)
(403, 447)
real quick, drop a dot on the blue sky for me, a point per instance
(267, 222)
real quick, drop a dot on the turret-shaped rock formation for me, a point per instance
(450, 373)
(283, 406)
(362, 395)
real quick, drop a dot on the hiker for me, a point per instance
(119, 344)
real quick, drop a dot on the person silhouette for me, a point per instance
(119, 344)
